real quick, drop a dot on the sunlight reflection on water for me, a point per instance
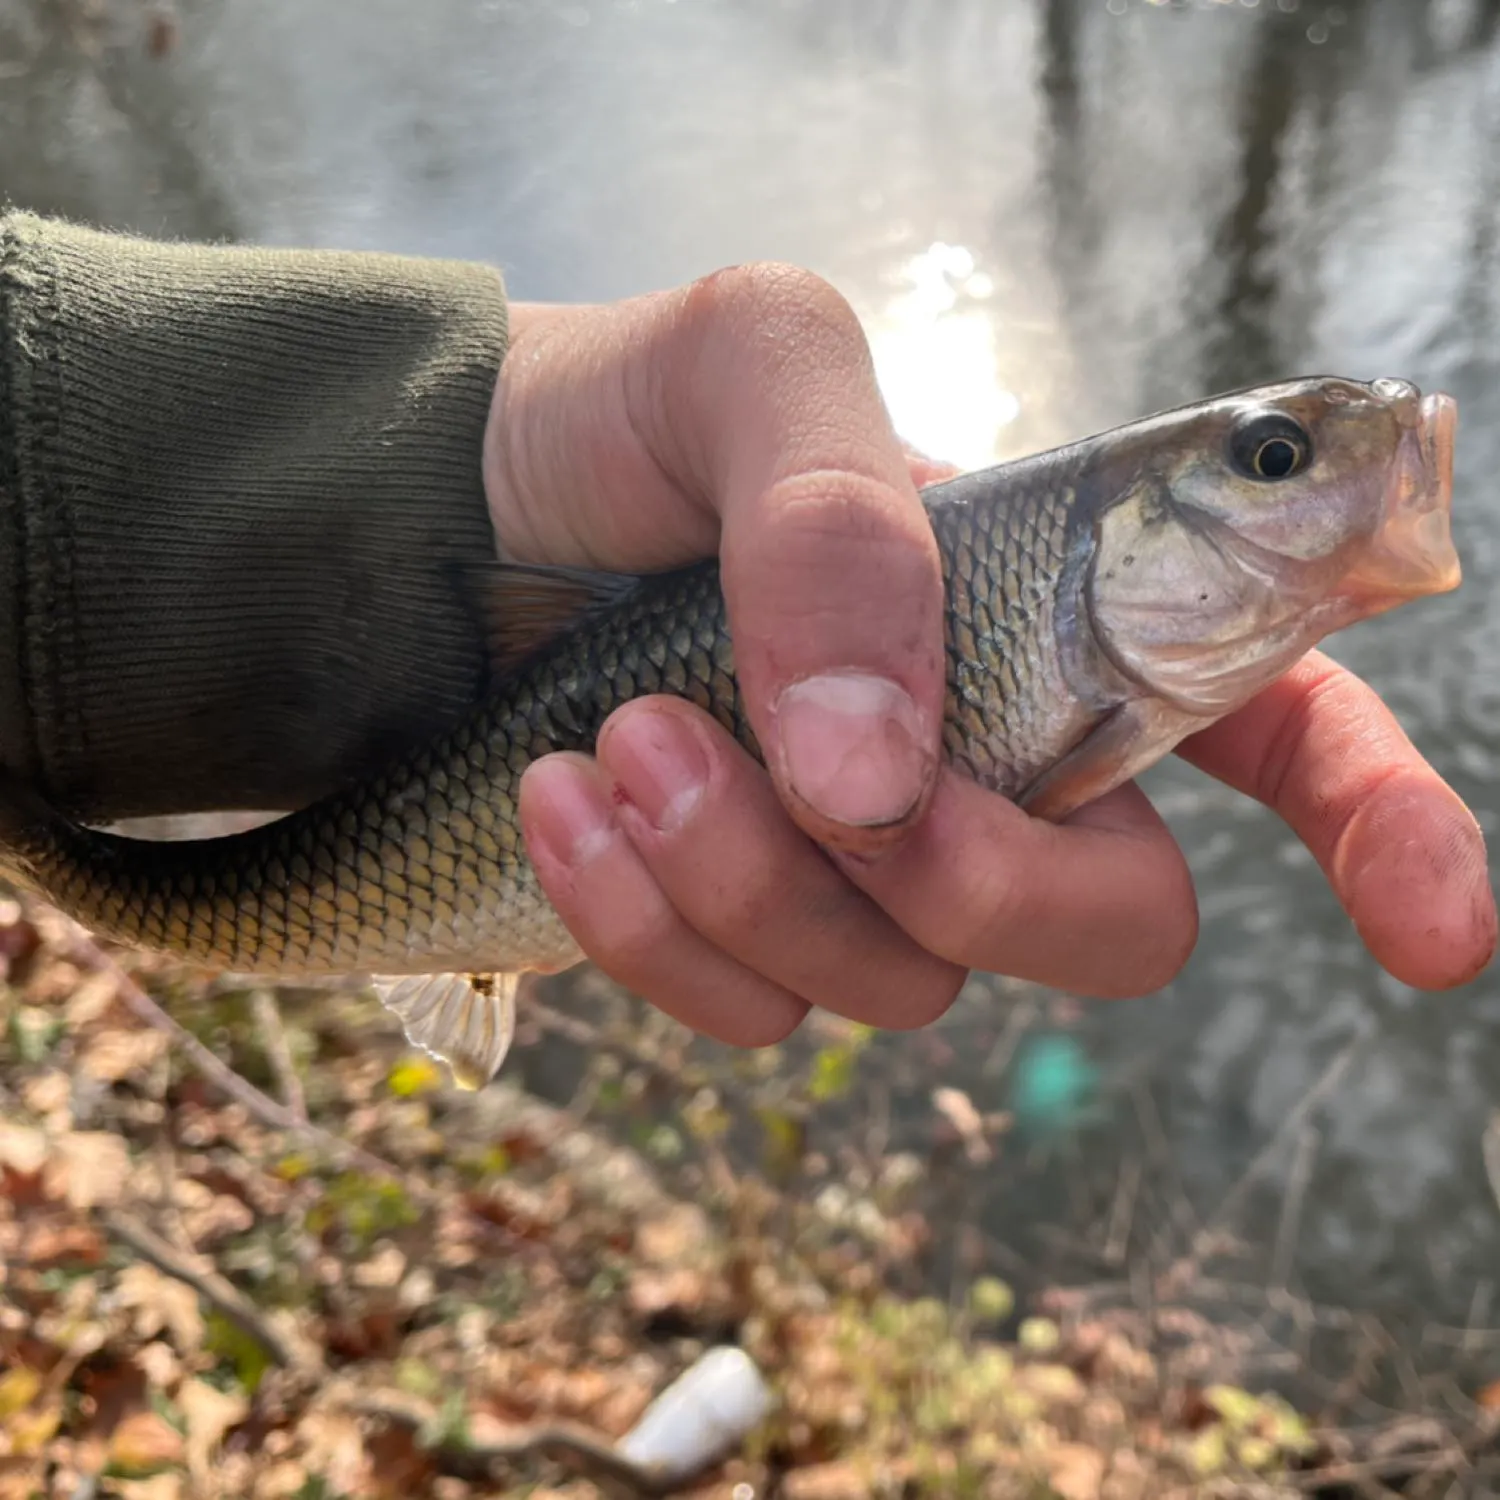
(937, 359)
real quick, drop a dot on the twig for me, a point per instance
(1022, 1014)
(1490, 1146)
(209, 1285)
(1122, 1213)
(1291, 1207)
(1230, 1204)
(586, 1452)
(85, 954)
(1179, 1206)
(273, 1038)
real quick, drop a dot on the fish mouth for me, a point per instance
(1411, 553)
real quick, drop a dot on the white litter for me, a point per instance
(701, 1417)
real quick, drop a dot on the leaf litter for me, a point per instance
(266, 1252)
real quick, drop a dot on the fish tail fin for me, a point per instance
(466, 1020)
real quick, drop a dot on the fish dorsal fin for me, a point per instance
(523, 606)
(466, 1020)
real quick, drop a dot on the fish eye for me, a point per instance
(1270, 445)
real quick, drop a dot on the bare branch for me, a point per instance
(209, 1285)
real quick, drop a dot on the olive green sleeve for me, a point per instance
(233, 485)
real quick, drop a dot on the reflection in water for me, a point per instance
(1052, 217)
(935, 357)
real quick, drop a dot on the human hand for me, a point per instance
(740, 416)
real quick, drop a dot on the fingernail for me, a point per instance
(852, 747)
(659, 764)
(569, 812)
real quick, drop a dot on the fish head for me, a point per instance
(1249, 527)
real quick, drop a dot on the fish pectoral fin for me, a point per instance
(466, 1020)
(522, 606)
(1128, 740)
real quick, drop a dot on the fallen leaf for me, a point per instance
(51, 1243)
(163, 1486)
(28, 1432)
(958, 1110)
(334, 1447)
(384, 1268)
(1075, 1471)
(222, 1216)
(48, 1094)
(18, 1389)
(112, 1055)
(673, 1237)
(159, 1302)
(23, 1148)
(89, 1168)
(209, 1414)
(837, 1480)
(90, 999)
(281, 1480)
(145, 1441)
(160, 1365)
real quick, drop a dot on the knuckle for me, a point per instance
(982, 922)
(775, 298)
(832, 539)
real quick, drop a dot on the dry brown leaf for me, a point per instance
(677, 1236)
(280, 1480)
(19, 1387)
(49, 1094)
(1075, 1471)
(90, 999)
(89, 1168)
(334, 1447)
(20, 1479)
(52, 1243)
(653, 1293)
(209, 1414)
(52, 982)
(27, 1434)
(23, 1148)
(223, 1215)
(958, 1110)
(159, 1364)
(837, 1480)
(159, 1302)
(112, 1055)
(384, 1268)
(145, 1441)
(163, 1486)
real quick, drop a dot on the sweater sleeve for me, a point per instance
(233, 485)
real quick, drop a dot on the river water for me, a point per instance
(1052, 215)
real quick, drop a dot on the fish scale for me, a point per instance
(1070, 667)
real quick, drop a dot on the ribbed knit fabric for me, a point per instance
(232, 485)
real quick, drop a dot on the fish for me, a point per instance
(1103, 600)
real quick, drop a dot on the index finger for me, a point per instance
(1403, 854)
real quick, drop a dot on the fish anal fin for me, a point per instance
(1132, 738)
(522, 606)
(466, 1020)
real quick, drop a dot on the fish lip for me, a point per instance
(1411, 553)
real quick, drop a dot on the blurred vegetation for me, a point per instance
(261, 1249)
